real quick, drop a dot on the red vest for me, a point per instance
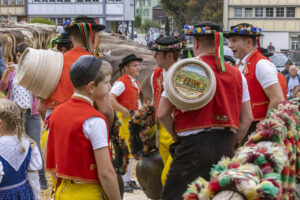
(157, 83)
(129, 98)
(223, 110)
(65, 89)
(283, 84)
(258, 98)
(69, 152)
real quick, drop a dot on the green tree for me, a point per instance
(150, 24)
(42, 21)
(137, 21)
(213, 11)
(167, 26)
(177, 9)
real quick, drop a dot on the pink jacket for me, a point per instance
(4, 86)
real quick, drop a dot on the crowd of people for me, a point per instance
(80, 113)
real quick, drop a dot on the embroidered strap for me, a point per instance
(13, 186)
(219, 44)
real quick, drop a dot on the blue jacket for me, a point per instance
(2, 63)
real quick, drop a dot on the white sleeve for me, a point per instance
(118, 88)
(164, 94)
(35, 163)
(266, 73)
(151, 82)
(95, 129)
(34, 182)
(1, 171)
(246, 96)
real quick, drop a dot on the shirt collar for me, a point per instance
(76, 94)
(244, 60)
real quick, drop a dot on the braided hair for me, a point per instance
(13, 116)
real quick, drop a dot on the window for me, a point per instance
(51, 0)
(109, 1)
(79, 0)
(118, 1)
(95, 0)
(36, 0)
(146, 12)
(19, 2)
(60, 21)
(269, 12)
(238, 12)
(259, 12)
(44, 0)
(248, 12)
(11, 2)
(279, 12)
(3, 2)
(138, 11)
(137, 4)
(52, 19)
(295, 43)
(87, 0)
(59, 0)
(290, 12)
(67, 0)
(147, 3)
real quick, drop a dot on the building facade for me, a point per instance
(105, 12)
(279, 20)
(143, 8)
(15, 9)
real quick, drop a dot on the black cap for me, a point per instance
(167, 44)
(84, 70)
(72, 24)
(127, 59)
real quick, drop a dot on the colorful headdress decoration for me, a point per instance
(245, 29)
(265, 168)
(206, 29)
(85, 25)
(60, 38)
(168, 44)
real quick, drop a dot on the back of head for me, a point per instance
(10, 114)
(86, 69)
(106, 68)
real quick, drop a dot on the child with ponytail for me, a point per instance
(20, 158)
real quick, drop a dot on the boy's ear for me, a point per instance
(90, 87)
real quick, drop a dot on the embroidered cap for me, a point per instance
(202, 29)
(84, 70)
(244, 29)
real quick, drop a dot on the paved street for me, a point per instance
(141, 39)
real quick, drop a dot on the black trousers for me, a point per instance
(194, 157)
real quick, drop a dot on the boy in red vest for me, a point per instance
(83, 45)
(167, 51)
(261, 74)
(206, 134)
(77, 146)
(126, 96)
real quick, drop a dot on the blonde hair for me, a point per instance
(13, 117)
(106, 68)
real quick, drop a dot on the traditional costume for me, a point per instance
(76, 130)
(259, 71)
(129, 94)
(206, 134)
(163, 44)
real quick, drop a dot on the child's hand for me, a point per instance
(10, 67)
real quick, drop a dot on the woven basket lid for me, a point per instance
(39, 71)
(190, 84)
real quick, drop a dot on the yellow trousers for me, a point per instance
(69, 190)
(123, 130)
(165, 140)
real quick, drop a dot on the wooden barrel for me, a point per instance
(39, 71)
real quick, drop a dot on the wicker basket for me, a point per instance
(39, 71)
(190, 84)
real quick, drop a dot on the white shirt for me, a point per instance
(291, 84)
(266, 72)
(20, 95)
(119, 87)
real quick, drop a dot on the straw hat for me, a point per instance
(190, 84)
(39, 71)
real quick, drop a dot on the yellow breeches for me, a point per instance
(68, 190)
(123, 130)
(165, 140)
